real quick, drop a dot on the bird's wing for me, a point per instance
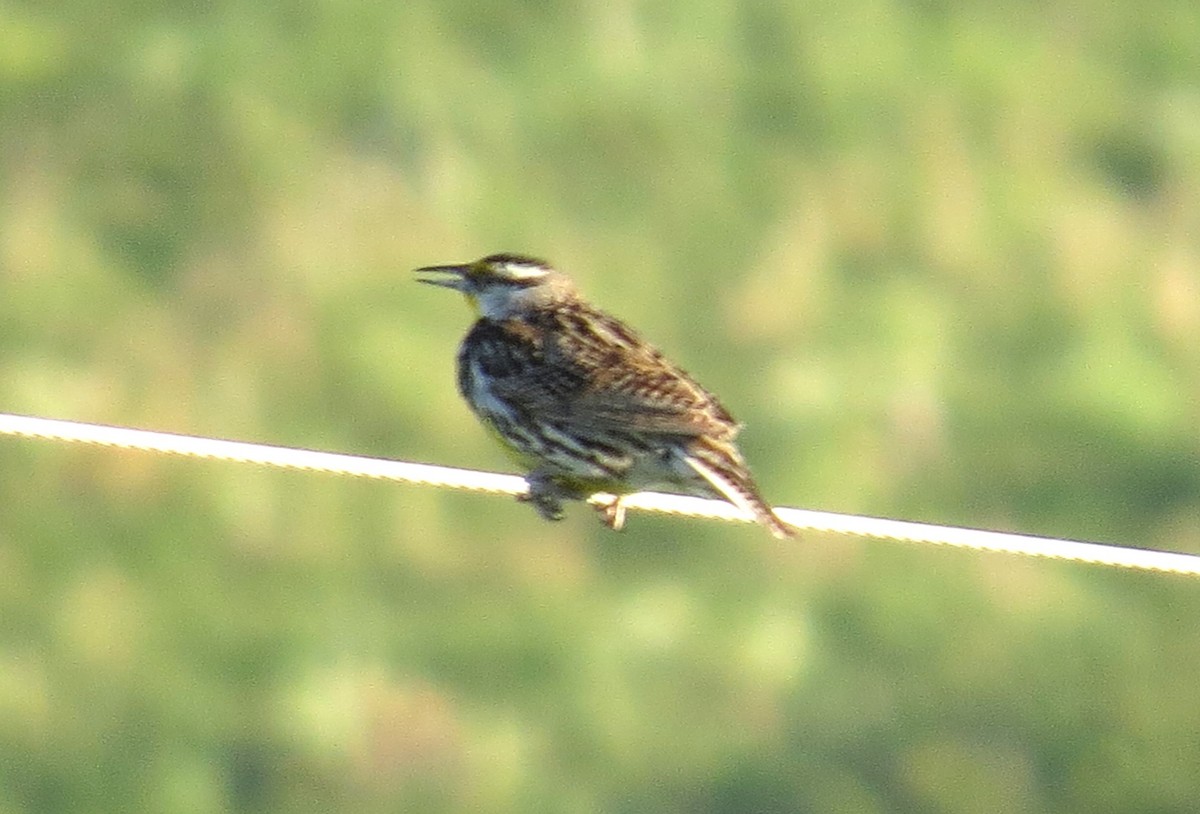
(659, 399)
(589, 371)
(624, 383)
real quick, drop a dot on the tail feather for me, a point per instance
(730, 479)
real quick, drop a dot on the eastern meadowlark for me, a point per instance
(582, 402)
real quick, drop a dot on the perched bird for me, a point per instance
(582, 402)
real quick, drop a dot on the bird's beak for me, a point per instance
(446, 276)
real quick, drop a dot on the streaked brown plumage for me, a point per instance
(583, 402)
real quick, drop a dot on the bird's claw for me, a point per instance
(545, 496)
(613, 514)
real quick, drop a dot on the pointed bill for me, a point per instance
(444, 276)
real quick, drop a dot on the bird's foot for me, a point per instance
(612, 514)
(544, 495)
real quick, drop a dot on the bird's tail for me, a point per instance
(723, 470)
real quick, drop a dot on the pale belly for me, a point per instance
(589, 458)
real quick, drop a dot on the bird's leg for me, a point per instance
(613, 514)
(545, 494)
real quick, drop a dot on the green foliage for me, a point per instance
(943, 259)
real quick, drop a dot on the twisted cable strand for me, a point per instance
(495, 483)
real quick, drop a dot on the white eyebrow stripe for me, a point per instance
(521, 271)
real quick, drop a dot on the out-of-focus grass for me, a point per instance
(941, 260)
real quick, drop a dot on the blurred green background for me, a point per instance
(942, 258)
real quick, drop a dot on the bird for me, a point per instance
(582, 403)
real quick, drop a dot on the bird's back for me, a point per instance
(580, 366)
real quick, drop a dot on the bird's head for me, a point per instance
(503, 285)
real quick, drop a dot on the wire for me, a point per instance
(495, 483)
